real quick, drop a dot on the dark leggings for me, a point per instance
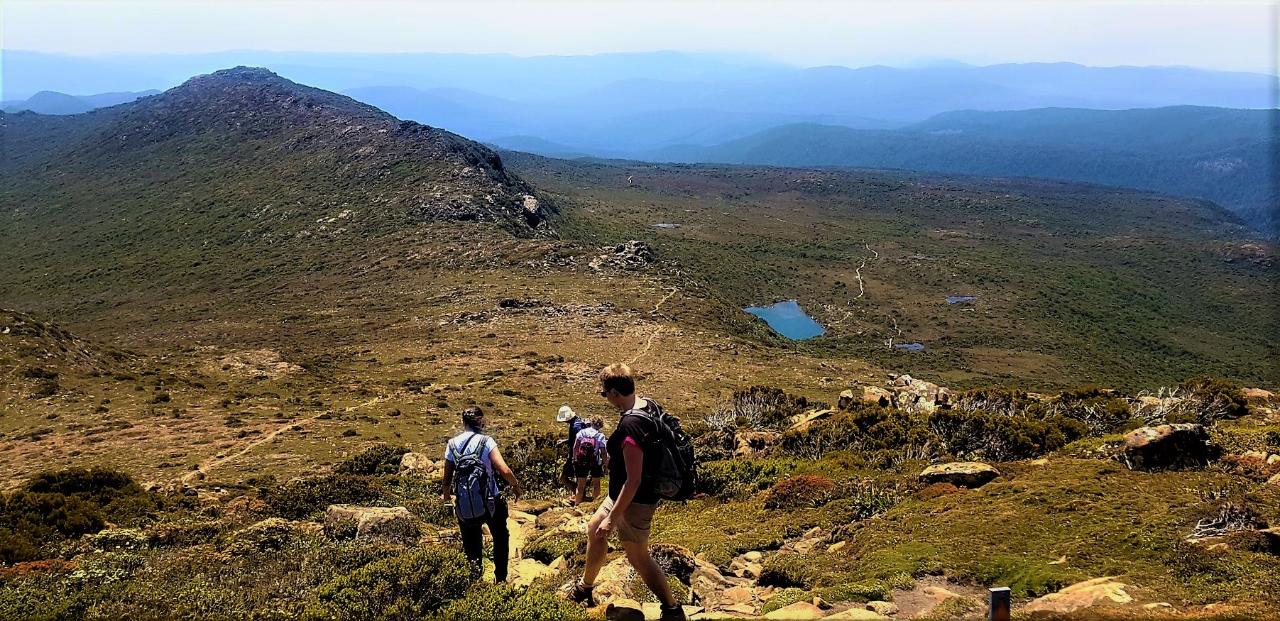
(473, 540)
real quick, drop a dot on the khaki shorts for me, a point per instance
(632, 527)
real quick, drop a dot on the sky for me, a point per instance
(1218, 35)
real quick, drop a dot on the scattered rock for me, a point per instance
(837, 546)
(887, 609)
(1177, 446)
(1274, 480)
(971, 474)
(1082, 595)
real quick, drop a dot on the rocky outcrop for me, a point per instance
(419, 464)
(629, 255)
(971, 474)
(910, 393)
(1177, 446)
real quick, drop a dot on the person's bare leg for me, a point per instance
(582, 489)
(595, 488)
(597, 548)
(640, 559)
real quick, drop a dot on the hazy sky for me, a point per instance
(1220, 35)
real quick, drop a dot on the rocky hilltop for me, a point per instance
(249, 117)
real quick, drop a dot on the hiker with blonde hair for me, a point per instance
(628, 510)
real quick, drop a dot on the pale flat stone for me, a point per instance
(1082, 595)
(798, 611)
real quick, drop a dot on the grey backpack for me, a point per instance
(471, 480)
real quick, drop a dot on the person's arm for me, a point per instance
(447, 494)
(633, 459)
(504, 471)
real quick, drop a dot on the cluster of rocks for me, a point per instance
(629, 255)
(902, 392)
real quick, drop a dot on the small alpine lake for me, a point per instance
(788, 319)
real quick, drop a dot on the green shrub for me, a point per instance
(411, 585)
(789, 570)
(118, 539)
(375, 460)
(864, 591)
(501, 602)
(267, 535)
(61, 505)
(300, 498)
(982, 435)
(183, 533)
(538, 459)
(728, 479)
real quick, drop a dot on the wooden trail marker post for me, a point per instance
(1000, 607)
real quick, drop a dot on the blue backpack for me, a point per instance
(471, 480)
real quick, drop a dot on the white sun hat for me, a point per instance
(565, 415)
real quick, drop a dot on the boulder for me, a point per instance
(1257, 396)
(675, 561)
(526, 570)
(386, 524)
(1177, 446)
(1081, 595)
(971, 474)
(420, 464)
(846, 400)
(624, 609)
(744, 568)
(876, 396)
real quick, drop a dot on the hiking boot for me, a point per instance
(675, 613)
(583, 594)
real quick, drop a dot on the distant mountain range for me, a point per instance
(1228, 156)
(1180, 130)
(53, 102)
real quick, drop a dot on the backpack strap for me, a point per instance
(459, 452)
